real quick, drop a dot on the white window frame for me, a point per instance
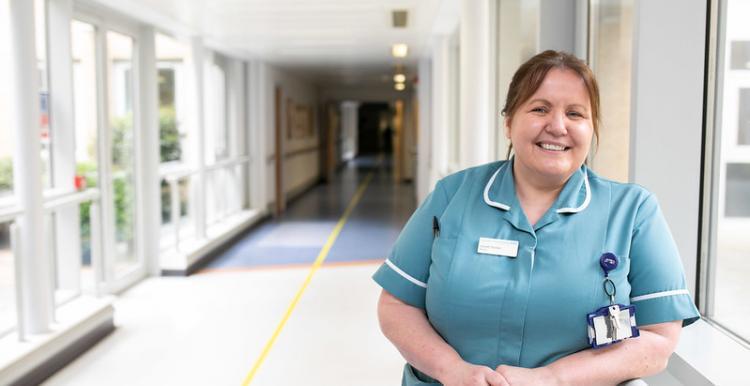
(104, 21)
(714, 176)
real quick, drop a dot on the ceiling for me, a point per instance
(346, 42)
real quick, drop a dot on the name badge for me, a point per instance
(498, 247)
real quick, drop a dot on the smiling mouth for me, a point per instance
(552, 147)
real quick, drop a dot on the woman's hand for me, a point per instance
(467, 374)
(519, 376)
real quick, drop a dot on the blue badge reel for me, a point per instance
(615, 322)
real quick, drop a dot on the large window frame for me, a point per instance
(103, 22)
(714, 167)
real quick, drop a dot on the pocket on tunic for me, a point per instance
(443, 249)
(410, 378)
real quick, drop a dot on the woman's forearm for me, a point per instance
(409, 330)
(633, 358)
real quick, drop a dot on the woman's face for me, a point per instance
(551, 132)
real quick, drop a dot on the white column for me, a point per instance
(475, 85)
(557, 25)
(667, 108)
(265, 146)
(236, 103)
(441, 109)
(256, 139)
(237, 130)
(147, 163)
(424, 131)
(197, 132)
(35, 267)
(68, 236)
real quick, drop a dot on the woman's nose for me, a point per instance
(556, 124)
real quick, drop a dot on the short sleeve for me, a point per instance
(405, 272)
(657, 278)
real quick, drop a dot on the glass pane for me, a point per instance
(120, 84)
(7, 281)
(7, 268)
(217, 132)
(7, 137)
(738, 190)
(186, 226)
(611, 50)
(743, 128)
(740, 55)
(171, 56)
(731, 288)
(45, 137)
(83, 46)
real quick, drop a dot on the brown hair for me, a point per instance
(529, 77)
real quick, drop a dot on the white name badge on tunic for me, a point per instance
(498, 247)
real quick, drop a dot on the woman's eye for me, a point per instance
(539, 110)
(575, 114)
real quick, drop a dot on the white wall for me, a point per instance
(301, 164)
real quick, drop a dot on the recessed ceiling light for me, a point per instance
(400, 50)
(399, 78)
(399, 86)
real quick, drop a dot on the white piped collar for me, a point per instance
(506, 207)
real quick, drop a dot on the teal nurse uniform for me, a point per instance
(530, 309)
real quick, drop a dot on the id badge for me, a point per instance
(611, 324)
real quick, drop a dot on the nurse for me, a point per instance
(492, 280)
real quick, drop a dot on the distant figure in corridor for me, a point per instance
(534, 270)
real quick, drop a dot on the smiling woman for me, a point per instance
(493, 278)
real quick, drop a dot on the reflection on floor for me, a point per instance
(297, 236)
(209, 329)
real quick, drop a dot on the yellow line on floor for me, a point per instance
(316, 265)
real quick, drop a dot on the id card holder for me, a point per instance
(611, 324)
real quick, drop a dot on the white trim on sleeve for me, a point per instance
(660, 295)
(405, 275)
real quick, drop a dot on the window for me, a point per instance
(122, 141)
(217, 133)
(7, 267)
(45, 134)
(83, 45)
(610, 52)
(726, 286)
(7, 139)
(740, 55)
(743, 124)
(172, 57)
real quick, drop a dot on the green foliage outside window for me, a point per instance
(6, 174)
(169, 136)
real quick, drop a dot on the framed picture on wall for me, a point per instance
(299, 120)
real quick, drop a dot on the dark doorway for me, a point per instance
(374, 131)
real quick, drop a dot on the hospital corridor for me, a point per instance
(374, 192)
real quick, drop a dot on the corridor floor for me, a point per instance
(211, 328)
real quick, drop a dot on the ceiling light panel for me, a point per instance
(400, 50)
